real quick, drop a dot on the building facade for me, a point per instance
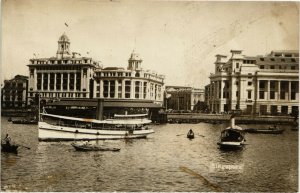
(68, 77)
(255, 85)
(14, 93)
(132, 83)
(183, 98)
(64, 76)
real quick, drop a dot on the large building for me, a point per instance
(255, 85)
(14, 93)
(183, 98)
(69, 81)
(132, 83)
(64, 76)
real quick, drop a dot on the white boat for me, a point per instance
(63, 128)
(232, 137)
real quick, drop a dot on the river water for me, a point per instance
(166, 161)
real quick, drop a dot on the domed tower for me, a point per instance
(134, 62)
(63, 47)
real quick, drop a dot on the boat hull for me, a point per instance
(48, 132)
(231, 145)
(93, 148)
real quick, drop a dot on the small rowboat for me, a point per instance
(190, 135)
(9, 148)
(90, 147)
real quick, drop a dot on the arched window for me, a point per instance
(137, 74)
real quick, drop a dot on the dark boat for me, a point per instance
(270, 130)
(10, 148)
(25, 121)
(90, 147)
(232, 137)
(190, 134)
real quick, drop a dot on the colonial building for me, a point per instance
(255, 85)
(183, 98)
(132, 83)
(14, 92)
(64, 76)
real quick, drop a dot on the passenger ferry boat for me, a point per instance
(232, 137)
(63, 128)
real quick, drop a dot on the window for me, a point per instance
(261, 94)
(237, 65)
(272, 59)
(293, 60)
(272, 94)
(272, 67)
(262, 59)
(262, 67)
(293, 67)
(249, 94)
(237, 93)
(249, 83)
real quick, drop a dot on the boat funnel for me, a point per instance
(232, 122)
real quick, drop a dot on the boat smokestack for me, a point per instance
(99, 115)
(232, 121)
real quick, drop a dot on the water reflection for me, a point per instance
(166, 161)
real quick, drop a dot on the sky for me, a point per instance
(178, 39)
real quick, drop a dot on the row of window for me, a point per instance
(62, 62)
(61, 95)
(279, 67)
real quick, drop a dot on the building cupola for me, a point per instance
(63, 47)
(134, 62)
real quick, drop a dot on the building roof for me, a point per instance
(64, 38)
(93, 103)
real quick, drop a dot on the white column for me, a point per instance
(55, 82)
(268, 90)
(279, 84)
(48, 88)
(75, 81)
(123, 88)
(132, 89)
(68, 82)
(42, 81)
(101, 88)
(142, 91)
(116, 88)
(290, 91)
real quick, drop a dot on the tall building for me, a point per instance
(64, 76)
(14, 92)
(255, 85)
(132, 83)
(183, 97)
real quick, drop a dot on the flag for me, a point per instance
(66, 25)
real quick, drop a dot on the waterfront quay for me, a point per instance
(221, 118)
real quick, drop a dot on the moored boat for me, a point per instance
(91, 147)
(72, 128)
(25, 121)
(232, 137)
(270, 130)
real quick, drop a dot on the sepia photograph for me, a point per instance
(149, 96)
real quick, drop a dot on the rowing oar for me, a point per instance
(200, 135)
(24, 146)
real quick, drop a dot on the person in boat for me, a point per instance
(190, 132)
(7, 140)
